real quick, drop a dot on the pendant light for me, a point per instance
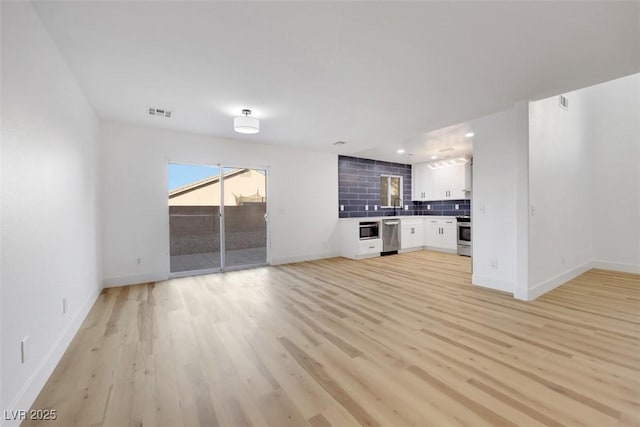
(246, 124)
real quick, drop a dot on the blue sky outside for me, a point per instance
(180, 174)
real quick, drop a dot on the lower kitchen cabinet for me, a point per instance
(370, 246)
(354, 247)
(416, 232)
(411, 234)
(441, 234)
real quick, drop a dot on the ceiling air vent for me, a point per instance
(159, 112)
(564, 102)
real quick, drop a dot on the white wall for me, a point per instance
(50, 202)
(302, 197)
(613, 130)
(495, 200)
(585, 183)
(560, 225)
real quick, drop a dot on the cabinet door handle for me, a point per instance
(372, 247)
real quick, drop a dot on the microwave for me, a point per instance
(369, 230)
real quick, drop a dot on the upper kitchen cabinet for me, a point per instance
(420, 181)
(443, 183)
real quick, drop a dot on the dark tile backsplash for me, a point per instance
(443, 207)
(359, 186)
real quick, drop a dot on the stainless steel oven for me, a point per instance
(464, 235)
(369, 230)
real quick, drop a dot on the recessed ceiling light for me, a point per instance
(468, 134)
(434, 157)
(400, 151)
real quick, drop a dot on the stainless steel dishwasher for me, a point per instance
(390, 236)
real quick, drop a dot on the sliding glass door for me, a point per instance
(245, 211)
(217, 218)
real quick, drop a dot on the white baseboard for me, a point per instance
(616, 266)
(41, 374)
(544, 287)
(302, 258)
(417, 248)
(134, 280)
(438, 249)
(498, 285)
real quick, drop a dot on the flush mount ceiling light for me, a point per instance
(400, 151)
(468, 134)
(448, 163)
(246, 124)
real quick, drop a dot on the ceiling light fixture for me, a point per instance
(448, 163)
(400, 151)
(468, 134)
(246, 124)
(434, 157)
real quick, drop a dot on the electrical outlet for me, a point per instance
(457, 206)
(406, 207)
(23, 350)
(139, 261)
(375, 207)
(494, 264)
(482, 209)
(533, 211)
(428, 207)
(64, 305)
(341, 208)
(366, 207)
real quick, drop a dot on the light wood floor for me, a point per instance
(391, 341)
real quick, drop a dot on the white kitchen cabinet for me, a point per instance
(419, 181)
(411, 234)
(441, 234)
(416, 232)
(448, 183)
(370, 247)
(450, 234)
(451, 182)
(352, 246)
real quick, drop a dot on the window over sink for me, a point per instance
(390, 191)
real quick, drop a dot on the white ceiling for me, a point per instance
(379, 75)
